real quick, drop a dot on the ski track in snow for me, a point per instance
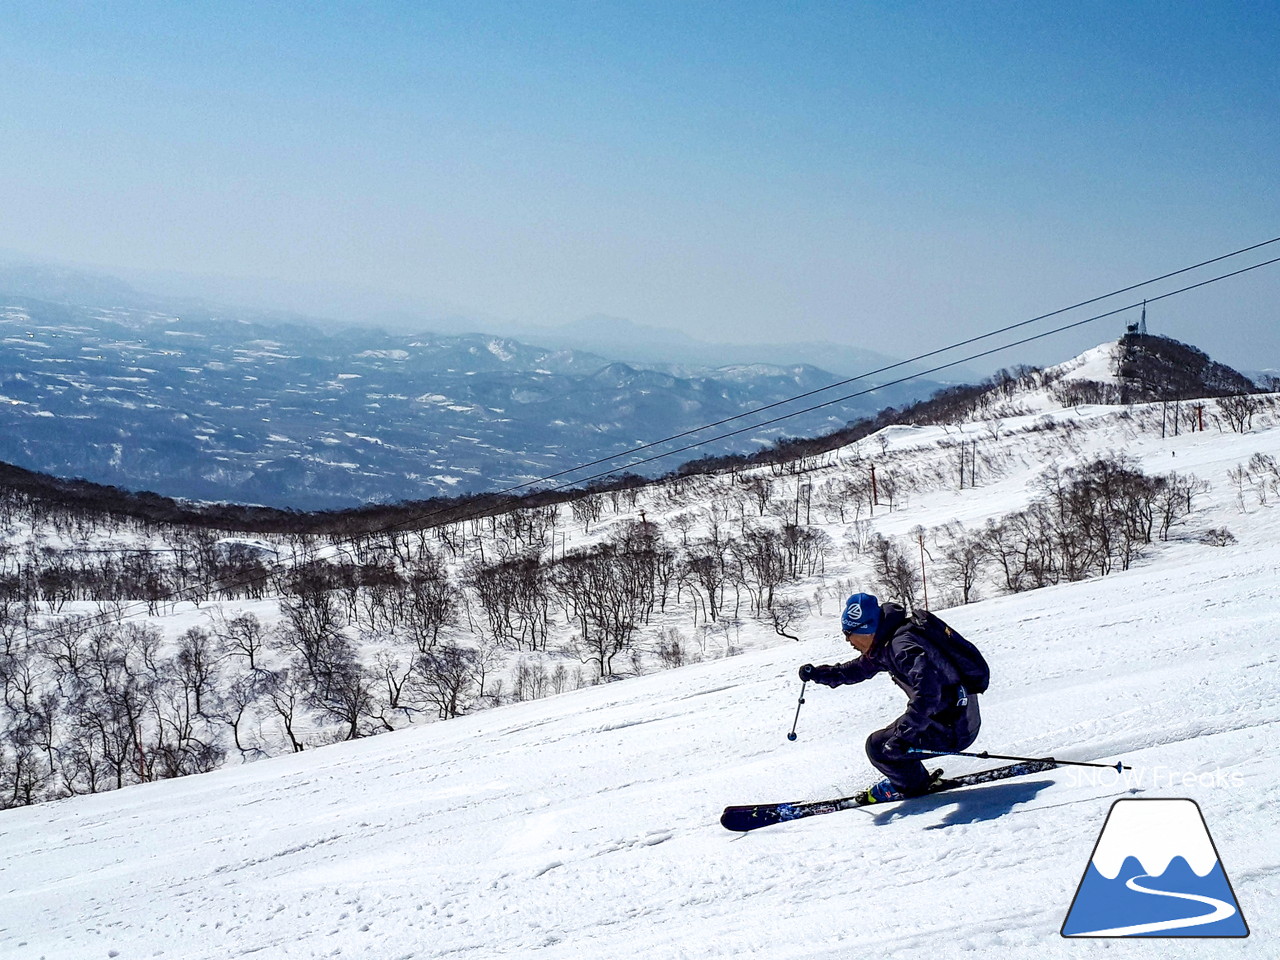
(586, 825)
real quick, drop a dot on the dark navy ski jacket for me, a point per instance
(928, 678)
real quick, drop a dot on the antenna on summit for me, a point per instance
(1141, 326)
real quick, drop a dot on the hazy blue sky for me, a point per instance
(890, 174)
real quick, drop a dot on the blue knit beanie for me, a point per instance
(861, 614)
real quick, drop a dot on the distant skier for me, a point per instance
(940, 672)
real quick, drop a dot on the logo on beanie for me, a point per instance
(861, 614)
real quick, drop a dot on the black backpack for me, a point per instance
(963, 655)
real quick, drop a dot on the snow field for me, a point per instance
(586, 825)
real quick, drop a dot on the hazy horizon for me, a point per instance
(886, 178)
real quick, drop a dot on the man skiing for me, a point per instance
(932, 664)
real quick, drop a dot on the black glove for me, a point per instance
(825, 675)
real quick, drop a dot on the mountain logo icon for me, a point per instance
(1155, 873)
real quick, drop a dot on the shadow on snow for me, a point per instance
(971, 805)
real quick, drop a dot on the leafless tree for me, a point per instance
(288, 694)
(587, 510)
(196, 665)
(759, 489)
(608, 593)
(1238, 411)
(431, 603)
(894, 573)
(514, 596)
(760, 558)
(312, 628)
(672, 648)
(348, 696)
(446, 675)
(242, 694)
(782, 614)
(241, 636)
(960, 563)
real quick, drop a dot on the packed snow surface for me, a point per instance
(586, 825)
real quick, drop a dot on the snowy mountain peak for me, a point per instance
(1138, 368)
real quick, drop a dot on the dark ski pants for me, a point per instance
(906, 771)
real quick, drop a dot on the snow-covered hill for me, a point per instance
(585, 824)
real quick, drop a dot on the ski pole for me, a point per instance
(792, 734)
(1117, 766)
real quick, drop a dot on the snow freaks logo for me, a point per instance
(1154, 873)
(1156, 778)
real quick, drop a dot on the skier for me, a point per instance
(918, 653)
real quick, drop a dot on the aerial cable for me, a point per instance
(922, 373)
(885, 369)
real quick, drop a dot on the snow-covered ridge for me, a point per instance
(1097, 363)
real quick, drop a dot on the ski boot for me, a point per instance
(886, 792)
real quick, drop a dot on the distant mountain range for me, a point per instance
(679, 353)
(253, 408)
(614, 337)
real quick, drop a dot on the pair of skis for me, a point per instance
(754, 816)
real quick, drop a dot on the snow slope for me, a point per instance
(585, 825)
(1096, 364)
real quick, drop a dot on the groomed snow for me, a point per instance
(585, 825)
